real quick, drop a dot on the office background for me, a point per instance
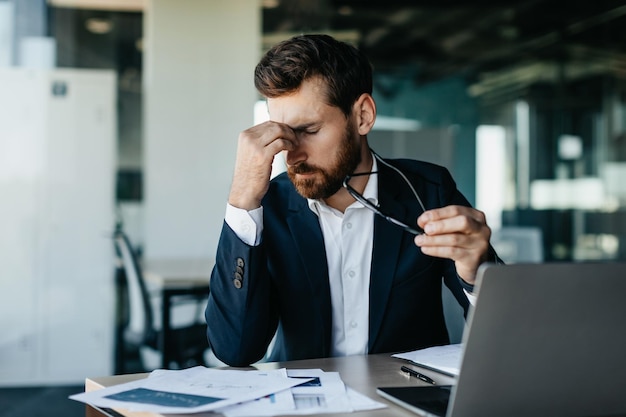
(130, 110)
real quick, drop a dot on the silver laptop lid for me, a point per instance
(545, 340)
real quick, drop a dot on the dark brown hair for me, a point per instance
(345, 70)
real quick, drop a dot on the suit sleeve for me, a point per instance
(240, 318)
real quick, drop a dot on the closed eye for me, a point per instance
(307, 129)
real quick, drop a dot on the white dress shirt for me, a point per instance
(348, 241)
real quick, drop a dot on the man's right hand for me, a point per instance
(256, 149)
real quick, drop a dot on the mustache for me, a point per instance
(303, 168)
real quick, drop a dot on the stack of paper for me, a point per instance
(443, 359)
(324, 392)
(233, 393)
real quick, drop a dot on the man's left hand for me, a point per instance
(456, 232)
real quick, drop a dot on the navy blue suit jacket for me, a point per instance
(285, 285)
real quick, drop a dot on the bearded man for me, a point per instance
(304, 257)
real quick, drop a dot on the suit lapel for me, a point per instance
(309, 244)
(385, 252)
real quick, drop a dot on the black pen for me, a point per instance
(416, 374)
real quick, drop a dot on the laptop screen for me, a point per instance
(544, 340)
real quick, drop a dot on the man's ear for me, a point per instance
(365, 111)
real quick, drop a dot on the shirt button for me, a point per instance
(351, 274)
(348, 225)
(353, 324)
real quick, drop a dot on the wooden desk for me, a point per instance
(362, 373)
(174, 278)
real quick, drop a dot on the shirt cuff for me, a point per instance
(247, 225)
(468, 289)
(471, 297)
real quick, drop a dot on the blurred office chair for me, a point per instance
(138, 332)
(518, 244)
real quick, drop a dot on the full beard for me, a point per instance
(348, 158)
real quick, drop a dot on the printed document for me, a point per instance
(444, 359)
(190, 390)
(324, 392)
(233, 393)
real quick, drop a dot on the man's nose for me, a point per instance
(296, 155)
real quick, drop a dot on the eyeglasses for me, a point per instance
(416, 230)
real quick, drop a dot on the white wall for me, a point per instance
(199, 94)
(57, 150)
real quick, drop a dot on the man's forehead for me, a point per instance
(300, 108)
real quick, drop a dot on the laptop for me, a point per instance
(543, 340)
